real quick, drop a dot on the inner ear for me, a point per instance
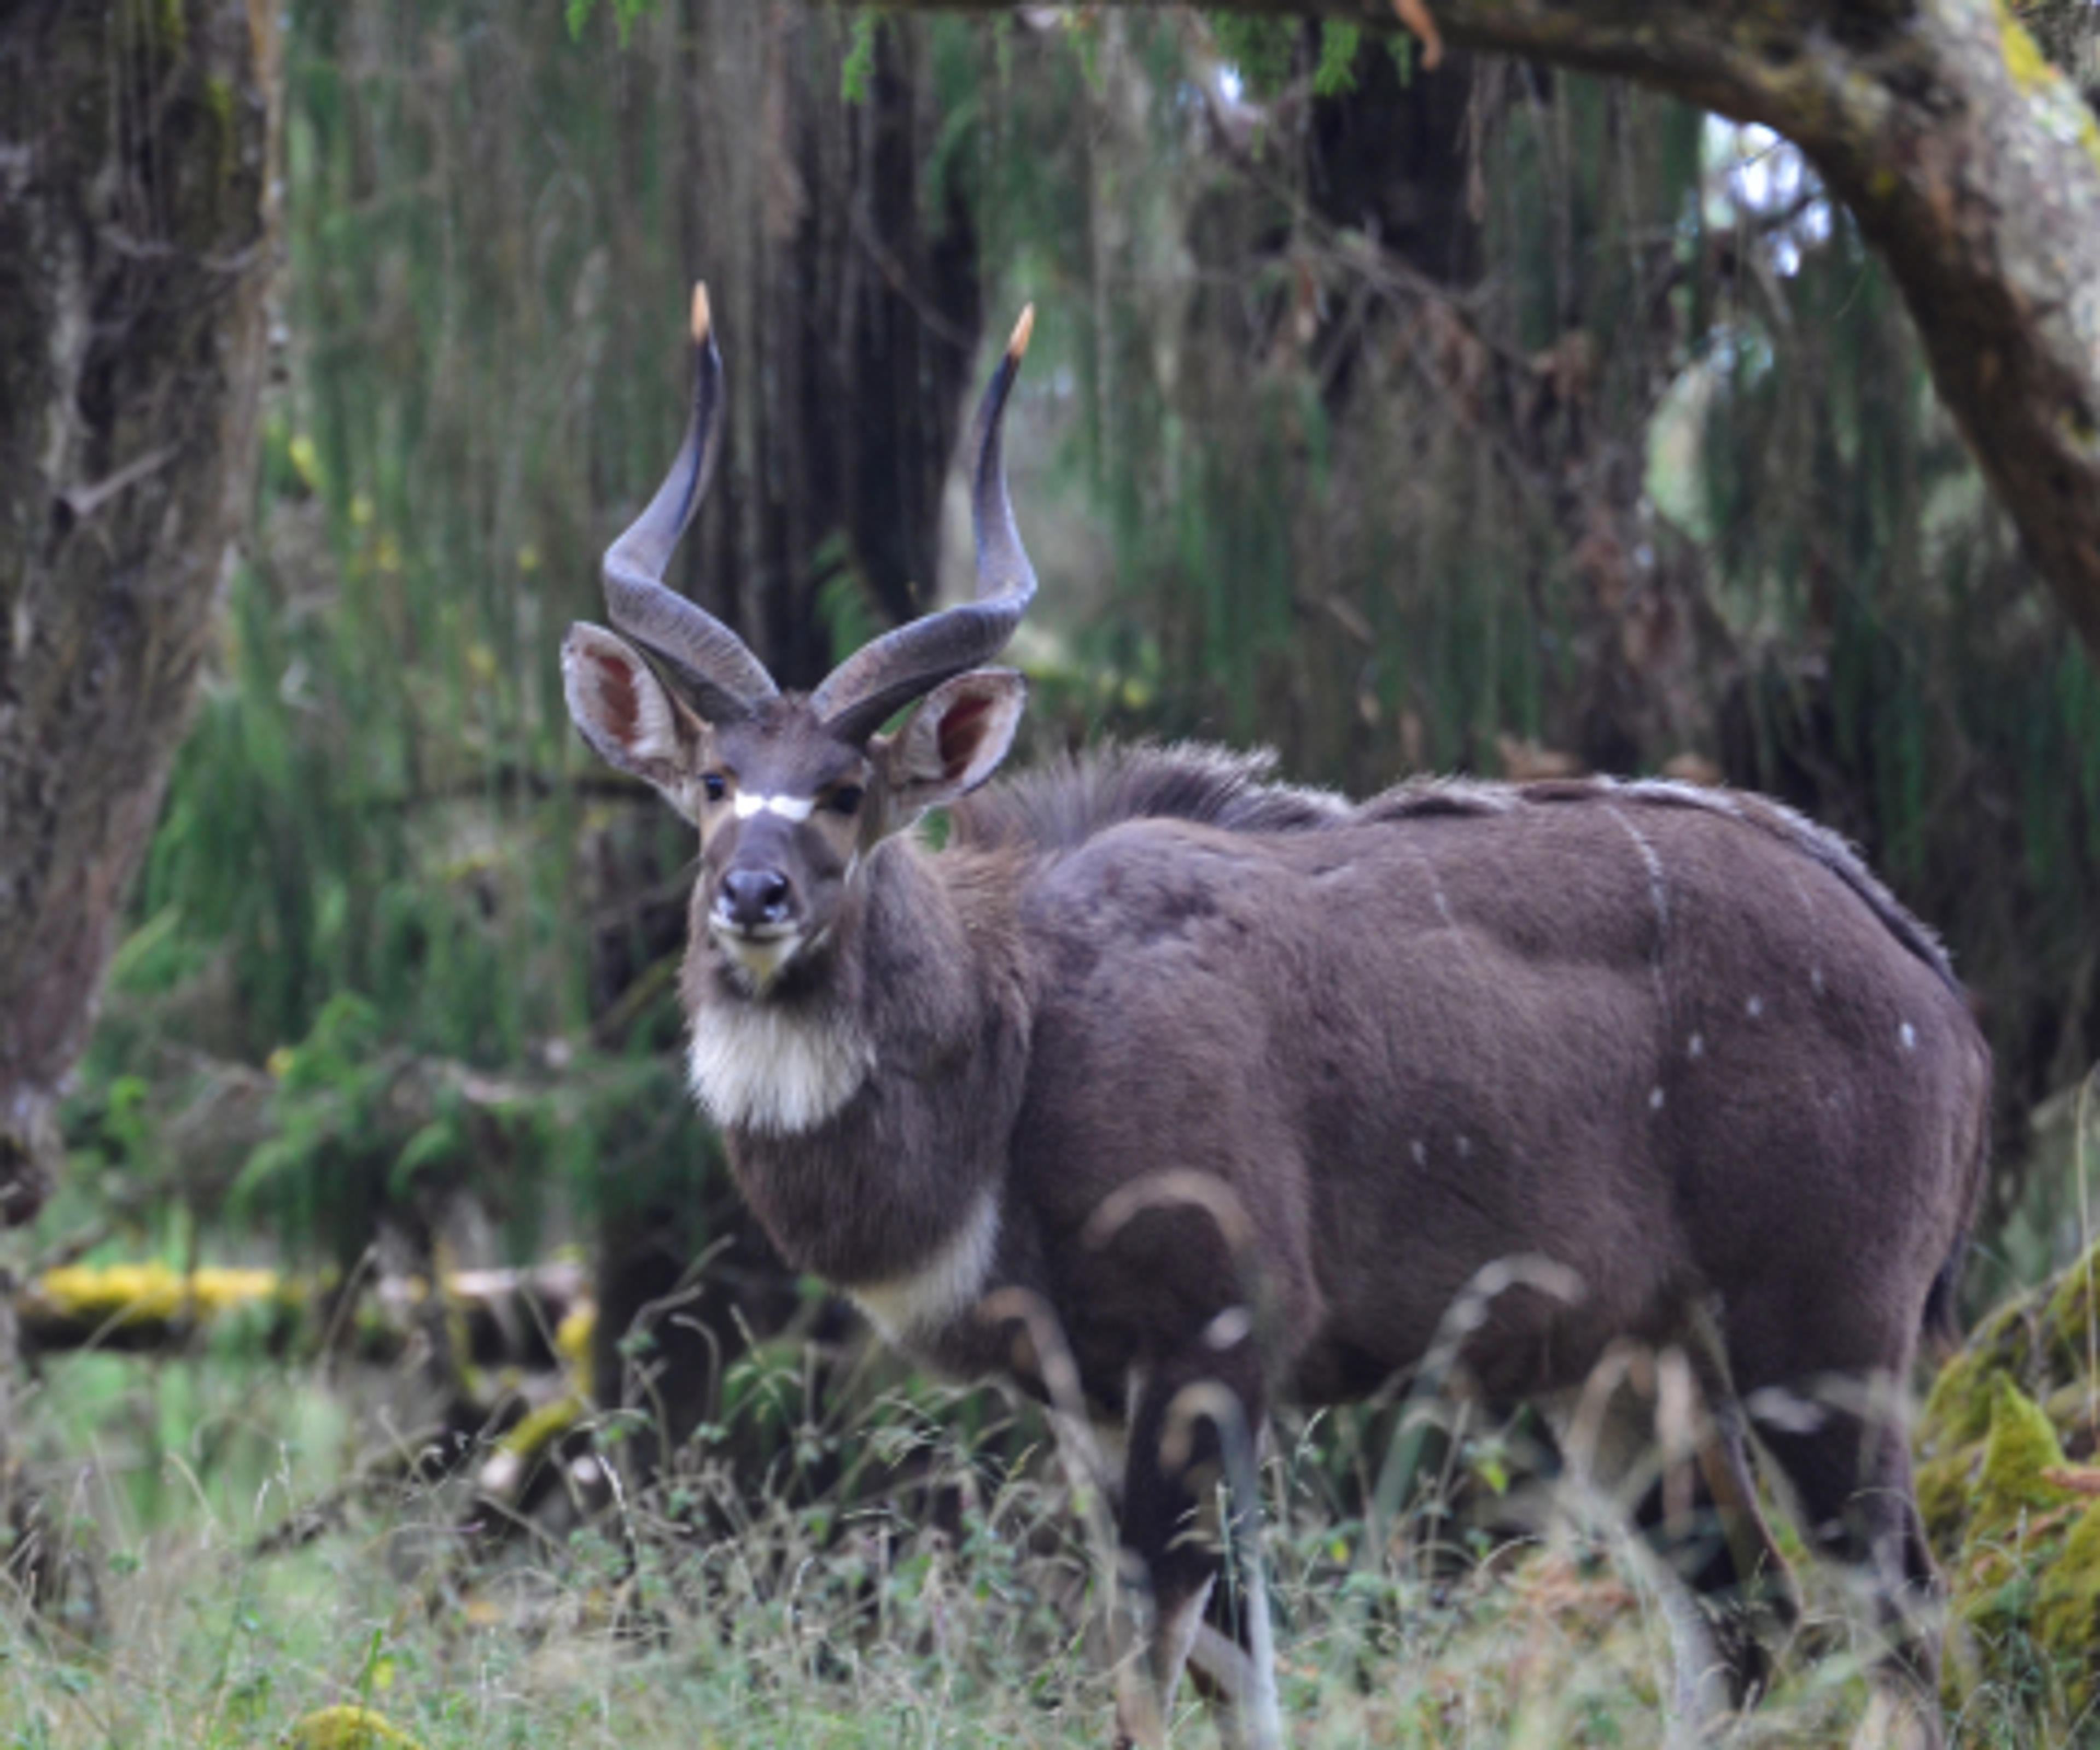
(961, 729)
(954, 740)
(626, 713)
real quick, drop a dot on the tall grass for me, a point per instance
(957, 1607)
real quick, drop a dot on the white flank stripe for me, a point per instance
(945, 1286)
(757, 1067)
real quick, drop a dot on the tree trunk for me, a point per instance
(1971, 164)
(134, 175)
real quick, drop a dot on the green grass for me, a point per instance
(955, 1612)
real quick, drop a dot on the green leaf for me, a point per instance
(1336, 72)
(858, 67)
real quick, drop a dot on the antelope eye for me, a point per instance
(713, 786)
(845, 799)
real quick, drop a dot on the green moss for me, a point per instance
(2067, 1613)
(1958, 1411)
(544, 1426)
(2022, 1444)
(220, 104)
(2068, 1331)
(164, 23)
(1944, 1486)
(347, 1728)
(2024, 60)
(572, 1343)
(2036, 74)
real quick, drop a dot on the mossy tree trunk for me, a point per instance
(134, 182)
(1970, 162)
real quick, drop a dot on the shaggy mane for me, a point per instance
(1067, 802)
(1063, 803)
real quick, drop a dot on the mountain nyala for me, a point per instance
(1169, 1092)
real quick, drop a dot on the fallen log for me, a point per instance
(535, 1317)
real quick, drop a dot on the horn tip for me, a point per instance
(1021, 330)
(703, 318)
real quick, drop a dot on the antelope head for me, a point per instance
(791, 791)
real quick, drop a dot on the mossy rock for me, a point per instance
(2038, 1343)
(2014, 1521)
(2066, 1611)
(2026, 1584)
(2070, 1334)
(2021, 1451)
(1946, 1488)
(1958, 1409)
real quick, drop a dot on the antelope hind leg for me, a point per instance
(1849, 1467)
(1191, 1518)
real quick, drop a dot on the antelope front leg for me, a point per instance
(1191, 1521)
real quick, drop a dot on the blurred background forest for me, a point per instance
(1485, 419)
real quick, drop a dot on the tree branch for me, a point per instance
(1971, 165)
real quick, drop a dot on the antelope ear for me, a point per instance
(625, 713)
(953, 741)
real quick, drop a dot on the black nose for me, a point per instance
(753, 896)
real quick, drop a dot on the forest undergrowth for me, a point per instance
(225, 1573)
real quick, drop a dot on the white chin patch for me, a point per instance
(759, 959)
(757, 1067)
(944, 1287)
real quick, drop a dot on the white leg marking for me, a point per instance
(1250, 1713)
(757, 1067)
(1895, 1719)
(1263, 1712)
(1177, 1639)
(947, 1285)
(1699, 1685)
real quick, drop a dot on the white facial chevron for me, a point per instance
(788, 808)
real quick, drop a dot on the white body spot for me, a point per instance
(1465, 1147)
(945, 1285)
(1696, 1048)
(757, 1067)
(788, 808)
(1235, 1324)
(1654, 1098)
(1754, 1007)
(1421, 1154)
(1908, 1034)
